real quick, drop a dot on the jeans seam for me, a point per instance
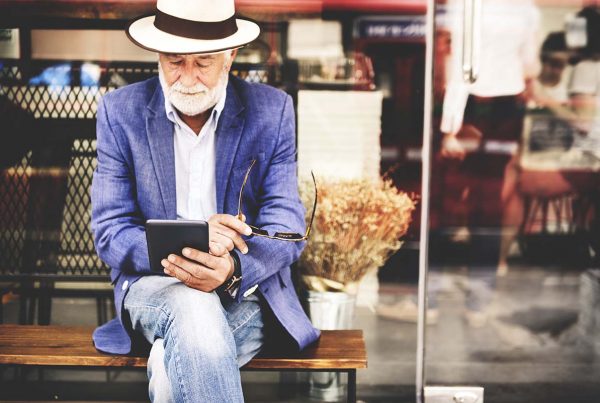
(177, 363)
(246, 321)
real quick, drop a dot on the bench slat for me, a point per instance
(72, 346)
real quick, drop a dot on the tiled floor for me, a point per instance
(531, 348)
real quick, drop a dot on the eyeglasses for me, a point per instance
(282, 236)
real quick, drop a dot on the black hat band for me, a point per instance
(195, 29)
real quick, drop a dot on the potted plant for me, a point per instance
(358, 224)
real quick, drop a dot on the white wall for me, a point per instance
(86, 45)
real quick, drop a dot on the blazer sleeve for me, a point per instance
(281, 210)
(117, 223)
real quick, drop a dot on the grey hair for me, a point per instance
(228, 55)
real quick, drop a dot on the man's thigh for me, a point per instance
(156, 302)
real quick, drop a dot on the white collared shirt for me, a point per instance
(195, 161)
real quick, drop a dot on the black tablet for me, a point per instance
(171, 236)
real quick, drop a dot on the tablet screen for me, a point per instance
(167, 237)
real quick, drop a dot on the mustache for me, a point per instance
(195, 89)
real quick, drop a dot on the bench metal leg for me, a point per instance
(101, 310)
(352, 386)
(26, 309)
(45, 302)
(33, 301)
(22, 310)
(286, 389)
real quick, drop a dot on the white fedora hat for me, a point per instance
(192, 26)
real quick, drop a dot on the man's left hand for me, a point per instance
(200, 270)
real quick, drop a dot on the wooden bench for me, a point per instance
(62, 346)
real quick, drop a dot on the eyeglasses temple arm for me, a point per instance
(239, 216)
(312, 216)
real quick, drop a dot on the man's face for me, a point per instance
(194, 83)
(553, 65)
(192, 69)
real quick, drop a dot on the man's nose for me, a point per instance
(188, 76)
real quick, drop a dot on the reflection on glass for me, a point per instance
(481, 125)
(513, 280)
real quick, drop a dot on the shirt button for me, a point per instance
(125, 284)
(250, 290)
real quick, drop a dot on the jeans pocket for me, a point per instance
(246, 314)
(252, 297)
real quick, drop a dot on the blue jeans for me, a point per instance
(199, 340)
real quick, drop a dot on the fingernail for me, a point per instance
(167, 271)
(186, 251)
(245, 250)
(171, 258)
(248, 231)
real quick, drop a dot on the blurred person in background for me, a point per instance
(549, 91)
(568, 100)
(481, 126)
(494, 106)
(550, 88)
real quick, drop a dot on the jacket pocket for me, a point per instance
(246, 161)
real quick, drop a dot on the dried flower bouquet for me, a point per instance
(357, 226)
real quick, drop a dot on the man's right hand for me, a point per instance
(225, 234)
(451, 147)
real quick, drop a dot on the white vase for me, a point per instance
(329, 311)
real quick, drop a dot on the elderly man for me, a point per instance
(179, 146)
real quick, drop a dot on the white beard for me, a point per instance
(192, 101)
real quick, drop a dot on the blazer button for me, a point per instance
(125, 284)
(250, 290)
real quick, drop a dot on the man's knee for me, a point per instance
(179, 299)
(197, 320)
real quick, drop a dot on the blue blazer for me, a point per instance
(135, 181)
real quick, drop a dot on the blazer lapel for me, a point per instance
(228, 135)
(160, 136)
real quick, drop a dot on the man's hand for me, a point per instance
(451, 147)
(200, 270)
(226, 230)
(206, 271)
